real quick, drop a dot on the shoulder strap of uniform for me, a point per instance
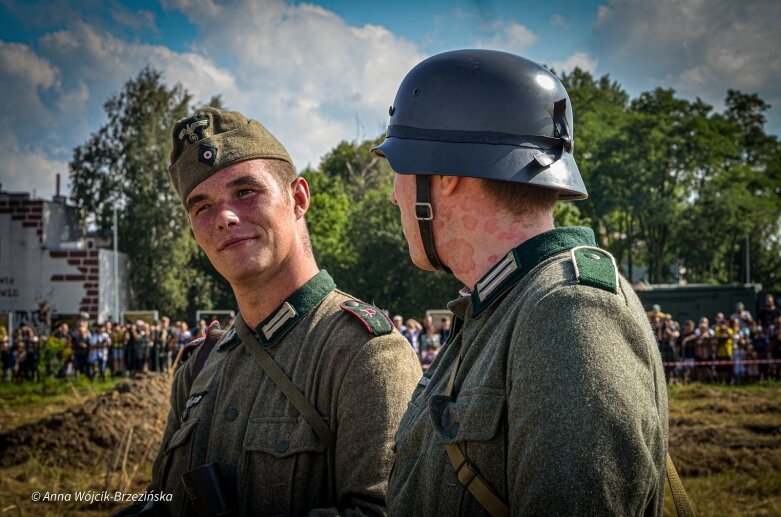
(595, 267)
(213, 334)
(285, 385)
(373, 319)
(683, 506)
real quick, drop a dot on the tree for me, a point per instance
(356, 233)
(124, 165)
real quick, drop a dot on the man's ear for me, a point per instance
(301, 196)
(447, 185)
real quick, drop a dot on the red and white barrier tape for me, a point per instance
(722, 363)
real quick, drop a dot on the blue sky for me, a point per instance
(318, 73)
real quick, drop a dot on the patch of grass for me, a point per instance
(732, 494)
(17, 484)
(30, 401)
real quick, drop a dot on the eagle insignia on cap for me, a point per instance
(194, 127)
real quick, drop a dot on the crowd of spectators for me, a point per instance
(728, 350)
(91, 351)
(426, 338)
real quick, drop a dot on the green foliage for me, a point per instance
(673, 183)
(356, 234)
(124, 165)
(53, 355)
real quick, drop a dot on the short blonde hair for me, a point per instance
(521, 198)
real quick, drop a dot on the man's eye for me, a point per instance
(245, 192)
(201, 208)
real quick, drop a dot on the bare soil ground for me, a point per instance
(105, 443)
(725, 441)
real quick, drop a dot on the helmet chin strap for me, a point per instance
(424, 213)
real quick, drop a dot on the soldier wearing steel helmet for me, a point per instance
(549, 397)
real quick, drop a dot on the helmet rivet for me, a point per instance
(416, 92)
(391, 111)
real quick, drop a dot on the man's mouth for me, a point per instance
(234, 242)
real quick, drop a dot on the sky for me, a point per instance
(317, 73)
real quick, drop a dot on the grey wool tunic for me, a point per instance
(559, 401)
(272, 460)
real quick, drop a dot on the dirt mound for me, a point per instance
(97, 430)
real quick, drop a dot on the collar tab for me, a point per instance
(285, 317)
(522, 259)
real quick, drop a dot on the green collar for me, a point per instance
(285, 317)
(521, 260)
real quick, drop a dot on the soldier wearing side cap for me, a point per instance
(246, 208)
(549, 397)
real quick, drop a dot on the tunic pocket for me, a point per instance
(177, 460)
(285, 466)
(476, 421)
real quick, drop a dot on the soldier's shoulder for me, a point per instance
(360, 314)
(595, 267)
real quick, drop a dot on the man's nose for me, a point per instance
(226, 217)
(393, 197)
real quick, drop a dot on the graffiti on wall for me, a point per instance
(7, 289)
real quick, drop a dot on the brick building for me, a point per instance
(46, 261)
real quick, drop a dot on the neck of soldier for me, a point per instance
(471, 244)
(259, 296)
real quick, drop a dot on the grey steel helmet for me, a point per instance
(484, 114)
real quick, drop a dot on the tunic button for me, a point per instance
(455, 426)
(283, 446)
(351, 304)
(592, 256)
(231, 414)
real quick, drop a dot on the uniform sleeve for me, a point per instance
(372, 399)
(587, 417)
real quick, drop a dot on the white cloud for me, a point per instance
(21, 63)
(302, 70)
(26, 168)
(582, 60)
(698, 47)
(54, 97)
(510, 37)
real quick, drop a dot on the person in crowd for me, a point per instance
(774, 349)
(429, 355)
(687, 347)
(312, 381)
(444, 330)
(412, 334)
(704, 351)
(100, 350)
(769, 312)
(743, 316)
(428, 337)
(118, 354)
(81, 345)
(481, 144)
(739, 370)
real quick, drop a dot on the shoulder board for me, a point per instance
(373, 319)
(595, 267)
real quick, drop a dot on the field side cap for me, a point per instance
(484, 114)
(213, 139)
